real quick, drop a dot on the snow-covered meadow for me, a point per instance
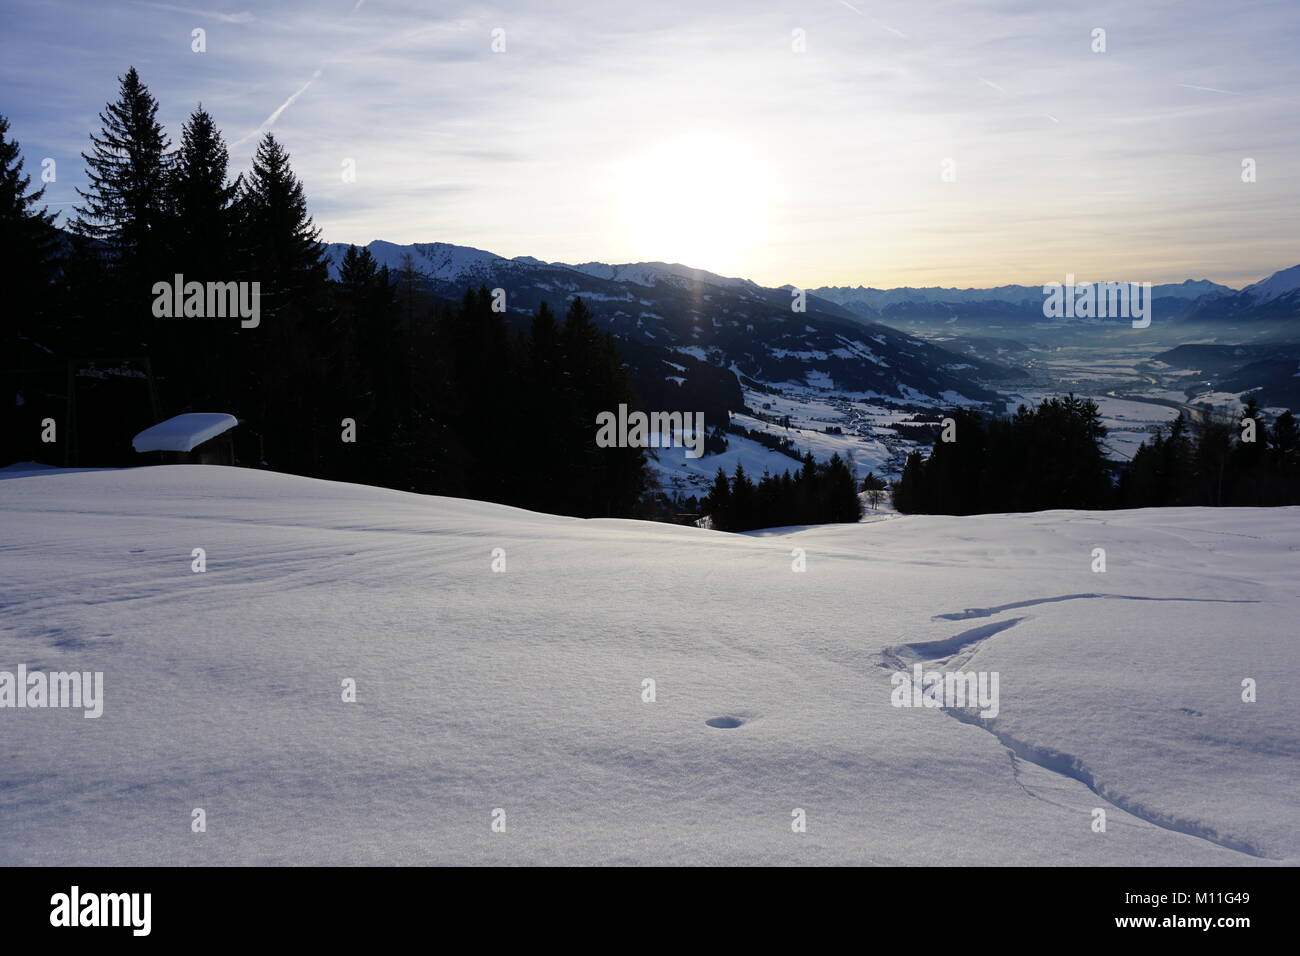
(523, 690)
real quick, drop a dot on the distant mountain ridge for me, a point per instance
(688, 331)
(1276, 297)
(880, 298)
(723, 323)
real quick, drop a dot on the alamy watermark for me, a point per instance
(211, 300)
(1098, 300)
(75, 908)
(59, 689)
(946, 689)
(654, 430)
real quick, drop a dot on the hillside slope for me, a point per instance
(730, 323)
(522, 690)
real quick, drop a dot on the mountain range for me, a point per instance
(453, 267)
(678, 319)
(685, 331)
(1276, 298)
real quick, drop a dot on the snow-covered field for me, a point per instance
(867, 442)
(522, 691)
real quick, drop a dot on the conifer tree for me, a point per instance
(277, 245)
(27, 232)
(717, 504)
(841, 498)
(125, 206)
(277, 240)
(202, 200)
(31, 315)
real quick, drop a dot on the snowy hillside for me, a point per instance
(1279, 283)
(437, 260)
(652, 273)
(522, 690)
(733, 324)
(1275, 299)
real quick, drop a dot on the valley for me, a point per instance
(867, 373)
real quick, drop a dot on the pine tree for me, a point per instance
(717, 504)
(357, 270)
(277, 240)
(744, 504)
(841, 498)
(547, 386)
(1211, 453)
(126, 203)
(195, 359)
(606, 481)
(1246, 460)
(410, 279)
(202, 200)
(27, 232)
(1284, 461)
(277, 245)
(27, 269)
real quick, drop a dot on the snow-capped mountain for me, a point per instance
(436, 260)
(882, 298)
(726, 323)
(1272, 300)
(1278, 284)
(650, 273)
(1014, 303)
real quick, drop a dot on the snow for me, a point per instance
(693, 476)
(522, 690)
(436, 260)
(867, 454)
(183, 432)
(880, 298)
(651, 273)
(1279, 283)
(695, 351)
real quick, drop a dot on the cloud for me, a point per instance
(242, 16)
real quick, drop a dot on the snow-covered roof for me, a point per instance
(183, 432)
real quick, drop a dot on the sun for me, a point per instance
(700, 200)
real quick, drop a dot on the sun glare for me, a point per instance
(698, 200)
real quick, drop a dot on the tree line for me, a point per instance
(1054, 456)
(1217, 460)
(443, 397)
(817, 493)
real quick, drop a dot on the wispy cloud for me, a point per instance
(526, 152)
(243, 16)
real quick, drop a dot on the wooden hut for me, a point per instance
(195, 438)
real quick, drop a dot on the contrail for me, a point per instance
(883, 26)
(270, 120)
(1209, 89)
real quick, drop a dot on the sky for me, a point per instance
(812, 142)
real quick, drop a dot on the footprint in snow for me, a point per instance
(724, 723)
